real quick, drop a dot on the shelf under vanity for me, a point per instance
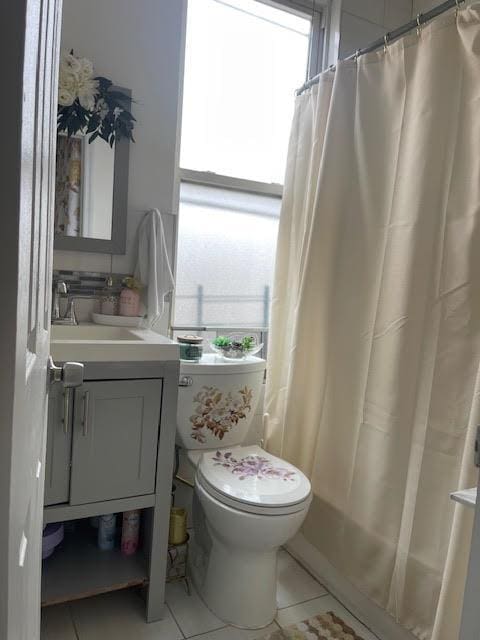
(79, 569)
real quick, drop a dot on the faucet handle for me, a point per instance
(70, 316)
(61, 287)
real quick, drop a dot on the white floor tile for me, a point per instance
(190, 612)
(120, 615)
(232, 633)
(294, 584)
(300, 612)
(57, 624)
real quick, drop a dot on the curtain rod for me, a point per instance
(421, 19)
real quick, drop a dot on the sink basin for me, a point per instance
(91, 332)
(99, 343)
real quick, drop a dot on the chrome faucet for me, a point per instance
(60, 289)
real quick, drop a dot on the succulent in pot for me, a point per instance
(235, 347)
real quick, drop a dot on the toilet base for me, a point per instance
(233, 560)
(248, 598)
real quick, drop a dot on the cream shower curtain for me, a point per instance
(373, 383)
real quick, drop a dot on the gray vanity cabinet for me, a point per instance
(115, 438)
(112, 454)
(59, 444)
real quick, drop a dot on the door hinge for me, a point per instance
(477, 448)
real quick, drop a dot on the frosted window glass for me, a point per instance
(225, 257)
(243, 62)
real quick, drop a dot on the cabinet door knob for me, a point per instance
(70, 374)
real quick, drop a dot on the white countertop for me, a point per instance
(98, 343)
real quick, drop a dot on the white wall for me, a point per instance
(137, 44)
(363, 21)
(421, 6)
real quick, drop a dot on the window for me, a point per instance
(225, 255)
(244, 59)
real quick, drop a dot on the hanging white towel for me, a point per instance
(153, 267)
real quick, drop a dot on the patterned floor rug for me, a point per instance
(326, 626)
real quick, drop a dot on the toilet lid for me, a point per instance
(251, 476)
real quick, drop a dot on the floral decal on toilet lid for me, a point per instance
(252, 467)
(219, 412)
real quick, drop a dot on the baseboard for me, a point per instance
(372, 616)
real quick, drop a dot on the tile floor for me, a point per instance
(120, 615)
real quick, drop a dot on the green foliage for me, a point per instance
(245, 344)
(132, 283)
(222, 342)
(248, 342)
(110, 120)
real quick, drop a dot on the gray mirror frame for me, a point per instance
(117, 243)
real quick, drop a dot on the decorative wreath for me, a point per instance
(89, 105)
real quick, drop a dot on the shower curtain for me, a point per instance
(373, 385)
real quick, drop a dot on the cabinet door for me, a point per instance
(115, 437)
(59, 445)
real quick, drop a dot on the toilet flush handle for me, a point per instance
(185, 381)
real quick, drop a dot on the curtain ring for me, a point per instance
(457, 6)
(385, 42)
(419, 23)
(357, 53)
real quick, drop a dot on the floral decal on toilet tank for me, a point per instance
(252, 467)
(219, 412)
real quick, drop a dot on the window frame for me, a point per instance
(316, 11)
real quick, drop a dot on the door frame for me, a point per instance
(470, 629)
(29, 48)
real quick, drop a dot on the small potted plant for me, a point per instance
(235, 347)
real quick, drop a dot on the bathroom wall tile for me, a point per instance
(126, 263)
(232, 633)
(294, 584)
(397, 13)
(421, 6)
(81, 261)
(57, 623)
(192, 615)
(300, 612)
(357, 33)
(372, 10)
(84, 308)
(120, 615)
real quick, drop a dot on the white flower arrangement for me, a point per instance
(76, 81)
(88, 104)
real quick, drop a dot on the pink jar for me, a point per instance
(129, 303)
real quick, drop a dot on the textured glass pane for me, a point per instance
(225, 260)
(244, 61)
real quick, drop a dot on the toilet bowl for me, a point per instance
(247, 502)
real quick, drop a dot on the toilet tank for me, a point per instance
(217, 399)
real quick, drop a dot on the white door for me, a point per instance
(29, 55)
(471, 600)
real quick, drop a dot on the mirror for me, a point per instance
(91, 192)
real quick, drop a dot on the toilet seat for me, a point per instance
(252, 480)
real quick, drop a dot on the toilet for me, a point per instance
(247, 502)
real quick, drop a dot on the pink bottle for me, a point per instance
(129, 302)
(130, 531)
